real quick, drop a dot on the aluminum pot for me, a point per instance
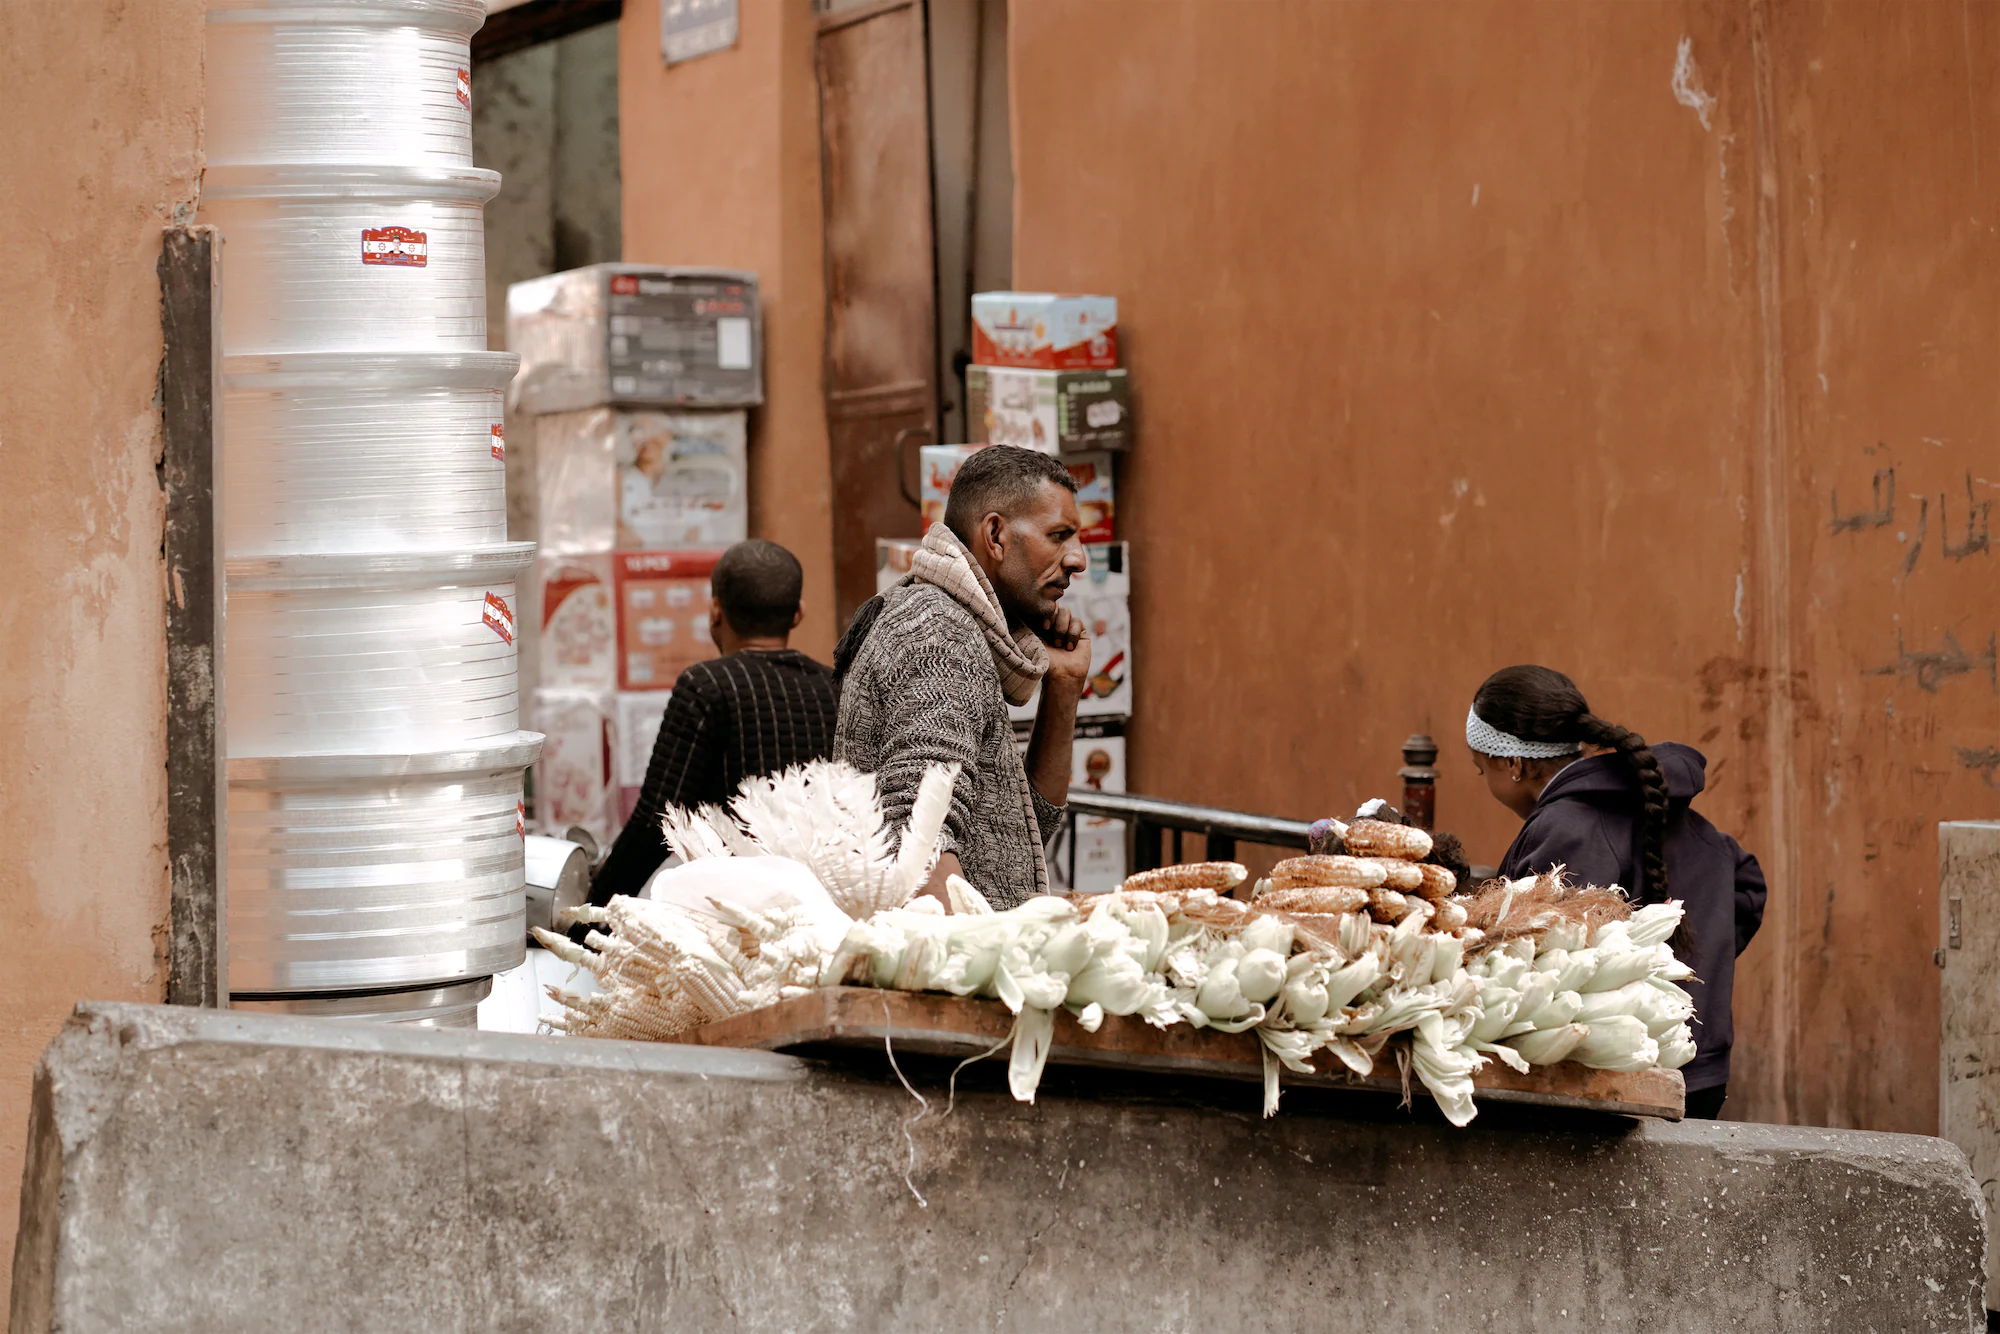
(372, 653)
(354, 872)
(351, 259)
(358, 452)
(455, 1005)
(558, 880)
(360, 81)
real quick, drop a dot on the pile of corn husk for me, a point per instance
(1528, 972)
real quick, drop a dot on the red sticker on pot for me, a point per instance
(465, 87)
(521, 819)
(499, 441)
(500, 617)
(395, 245)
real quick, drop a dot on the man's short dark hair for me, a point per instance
(758, 584)
(999, 479)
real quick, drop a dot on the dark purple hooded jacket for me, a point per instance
(1587, 821)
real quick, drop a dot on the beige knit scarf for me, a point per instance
(1020, 655)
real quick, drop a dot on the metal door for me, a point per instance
(881, 322)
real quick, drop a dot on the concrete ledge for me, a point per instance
(212, 1172)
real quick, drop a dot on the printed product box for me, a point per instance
(639, 714)
(634, 335)
(939, 464)
(1044, 330)
(892, 560)
(573, 779)
(1053, 411)
(1088, 856)
(683, 480)
(1102, 596)
(662, 615)
(643, 481)
(1094, 496)
(577, 644)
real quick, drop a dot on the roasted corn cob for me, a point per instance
(1318, 872)
(1374, 838)
(1404, 877)
(1218, 876)
(1314, 899)
(1438, 883)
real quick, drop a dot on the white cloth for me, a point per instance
(1485, 739)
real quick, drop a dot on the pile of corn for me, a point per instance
(1363, 958)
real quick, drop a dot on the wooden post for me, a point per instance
(197, 777)
(1420, 780)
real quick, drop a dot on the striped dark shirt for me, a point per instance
(741, 716)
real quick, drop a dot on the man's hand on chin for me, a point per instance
(1069, 652)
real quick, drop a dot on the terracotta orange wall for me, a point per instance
(1460, 338)
(102, 104)
(720, 164)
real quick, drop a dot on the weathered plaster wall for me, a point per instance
(720, 159)
(101, 103)
(1466, 334)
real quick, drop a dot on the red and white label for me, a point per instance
(499, 617)
(499, 441)
(521, 820)
(465, 87)
(625, 284)
(395, 245)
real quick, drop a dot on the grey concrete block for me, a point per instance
(207, 1171)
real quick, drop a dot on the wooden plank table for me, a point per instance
(930, 1024)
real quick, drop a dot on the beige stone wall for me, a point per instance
(100, 101)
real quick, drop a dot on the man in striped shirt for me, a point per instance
(758, 708)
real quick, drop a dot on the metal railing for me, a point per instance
(1148, 820)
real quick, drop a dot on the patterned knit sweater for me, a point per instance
(923, 690)
(739, 716)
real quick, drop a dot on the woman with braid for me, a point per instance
(1611, 810)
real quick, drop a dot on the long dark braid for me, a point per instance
(1632, 748)
(1541, 704)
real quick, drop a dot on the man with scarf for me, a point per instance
(928, 669)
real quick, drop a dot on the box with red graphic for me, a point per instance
(1045, 330)
(578, 642)
(1102, 597)
(1095, 501)
(662, 601)
(574, 783)
(639, 715)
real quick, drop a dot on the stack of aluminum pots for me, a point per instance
(375, 863)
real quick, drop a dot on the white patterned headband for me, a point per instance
(1487, 739)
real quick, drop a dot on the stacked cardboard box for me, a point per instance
(1046, 375)
(634, 387)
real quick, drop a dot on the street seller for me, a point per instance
(1608, 809)
(760, 707)
(928, 669)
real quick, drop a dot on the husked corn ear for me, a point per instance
(1193, 875)
(1438, 882)
(1386, 905)
(1404, 877)
(1450, 915)
(1315, 899)
(1377, 838)
(1327, 872)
